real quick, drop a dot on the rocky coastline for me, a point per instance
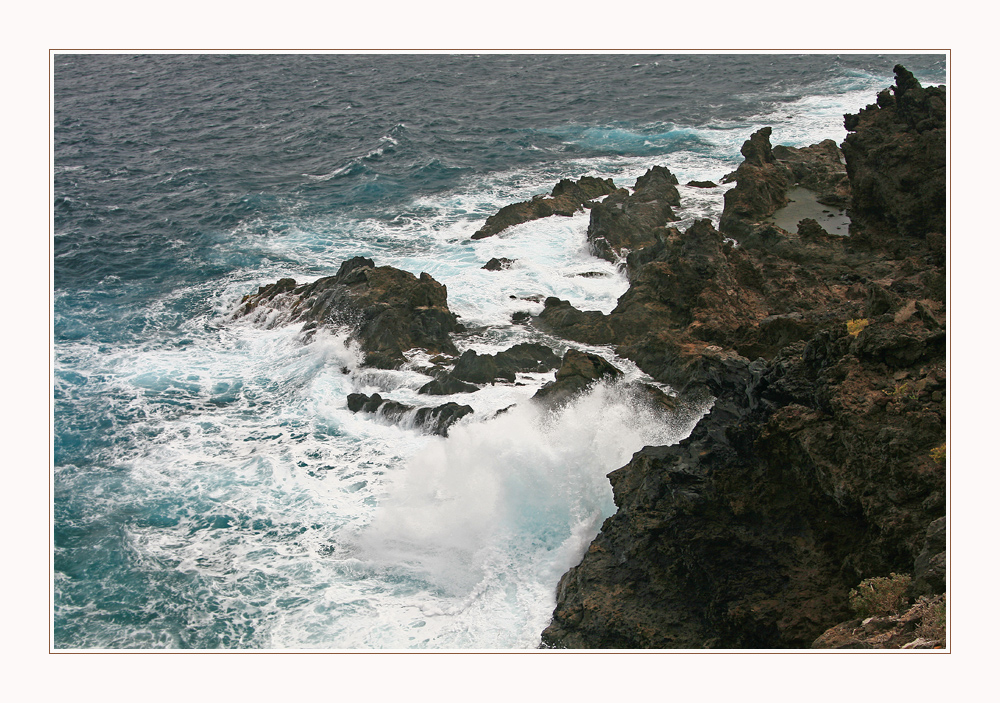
(822, 461)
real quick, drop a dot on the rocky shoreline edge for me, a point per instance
(817, 482)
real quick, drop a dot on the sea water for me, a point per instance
(211, 488)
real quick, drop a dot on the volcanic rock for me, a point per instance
(561, 318)
(578, 371)
(895, 154)
(821, 462)
(568, 197)
(819, 167)
(624, 222)
(761, 183)
(505, 365)
(389, 311)
(436, 419)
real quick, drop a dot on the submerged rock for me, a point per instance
(500, 264)
(447, 384)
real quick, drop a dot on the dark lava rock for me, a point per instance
(623, 222)
(930, 568)
(576, 373)
(809, 227)
(505, 365)
(435, 420)
(500, 264)
(895, 154)
(447, 385)
(568, 197)
(820, 464)
(520, 317)
(702, 184)
(761, 184)
(819, 167)
(561, 318)
(389, 311)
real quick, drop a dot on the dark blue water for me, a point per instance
(206, 473)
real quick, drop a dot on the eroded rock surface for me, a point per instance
(895, 153)
(624, 221)
(435, 419)
(388, 310)
(567, 198)
(822, 461)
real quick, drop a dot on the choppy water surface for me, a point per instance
(211, 487)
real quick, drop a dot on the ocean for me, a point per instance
(211, 488)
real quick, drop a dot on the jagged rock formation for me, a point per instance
(625, 222)
(895, 155)
(568, 197)
(822, 461)
(489, 368)
(577, 372)
(819, 168)
(389, 311)
(761, 184)
(436, 419)
(765, 177)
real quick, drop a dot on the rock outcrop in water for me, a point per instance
(576, 373)
(504, 366)
(624, 222)
(568, 198)
(389, 311)
(822, 461)
(435, 419)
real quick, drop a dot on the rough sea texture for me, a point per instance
(211, 488)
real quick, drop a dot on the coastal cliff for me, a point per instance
(822, 462)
